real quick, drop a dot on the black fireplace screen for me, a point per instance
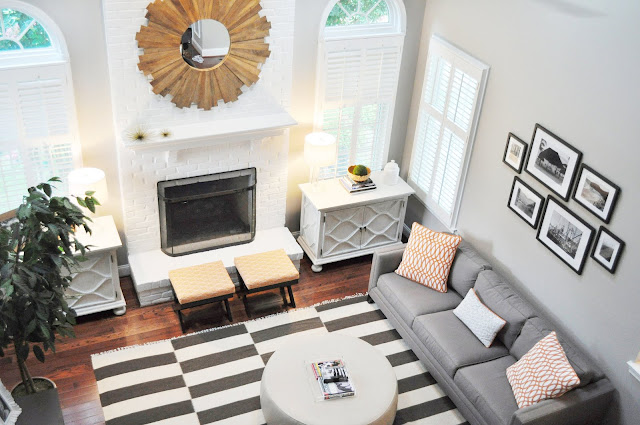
(207, 212)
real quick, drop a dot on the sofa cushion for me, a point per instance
(428, 256)
(497, 294)
(534, 330)
(466, 266)
(487, 388)
(484, 323)
(410, 299)
(452, 343)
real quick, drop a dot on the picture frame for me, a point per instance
(596, 193)
(9, 409)
(607, 249)
(565, 234)
(525, 202)
(552, 161)
(515, 152)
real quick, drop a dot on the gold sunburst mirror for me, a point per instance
(203, 51)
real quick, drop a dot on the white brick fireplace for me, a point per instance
(229, 137)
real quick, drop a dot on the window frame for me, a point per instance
(44, 63)
(464, 61)
(366, 36)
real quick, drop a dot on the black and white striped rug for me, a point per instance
(214, 376)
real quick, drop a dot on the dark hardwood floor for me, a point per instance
(70, 366)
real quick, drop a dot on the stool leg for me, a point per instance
(293, 301)
(181, 320)
(226, 305)
(246, 304)
(284, 296)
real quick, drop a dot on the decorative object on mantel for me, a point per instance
(319, 151)
(165, 133)
(552, 161)
(391, 173)
(138, 134)
(162, 59)
(525, 202)
(9, 409)
(596, 193)
(607, 249)
(515, 152)
(565, 234)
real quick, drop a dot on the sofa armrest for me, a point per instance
(581, 406)
(385, 260)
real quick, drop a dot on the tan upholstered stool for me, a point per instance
(199, 285)
(264, 271)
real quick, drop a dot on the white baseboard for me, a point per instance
(124, 270)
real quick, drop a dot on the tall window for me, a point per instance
(38, 130)
(358, 68)
(450, 104)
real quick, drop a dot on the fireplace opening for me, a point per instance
(207, 212)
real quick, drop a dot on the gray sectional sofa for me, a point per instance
(474, 376)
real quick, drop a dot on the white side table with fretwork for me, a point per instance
(336, 225)
(96, 285)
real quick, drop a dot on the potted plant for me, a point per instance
(38, 251)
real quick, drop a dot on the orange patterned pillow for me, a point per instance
(428, 256)
(544, 372)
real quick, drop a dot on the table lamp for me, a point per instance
(88, 179)
(319, 151)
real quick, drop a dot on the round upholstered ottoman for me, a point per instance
(288, 395)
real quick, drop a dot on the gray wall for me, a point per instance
(307, 30)
(82, 25)
(574, 70)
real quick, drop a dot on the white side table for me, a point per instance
(96, 285)
(336, 225)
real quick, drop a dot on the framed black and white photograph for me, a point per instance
(525, 202)
(515, 152)
(596, 193)
(607, 249)
(565, 234)
(553, 161)
(9, 409)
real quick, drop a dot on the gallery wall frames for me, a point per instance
(525, 202)
(607, 249)
(552, 161)
(515, 152)
(565, 234)
(596, 193)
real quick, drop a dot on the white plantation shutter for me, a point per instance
(38, 139)
(447, 117)
(358, 80)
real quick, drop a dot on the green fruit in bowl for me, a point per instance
(360, 170)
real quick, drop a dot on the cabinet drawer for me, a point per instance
(92, 282)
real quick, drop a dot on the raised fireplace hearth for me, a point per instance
(207, 212)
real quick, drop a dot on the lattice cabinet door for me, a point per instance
(92, 282)
(342, 231)
(382, 223)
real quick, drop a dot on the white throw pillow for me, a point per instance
(480, 320)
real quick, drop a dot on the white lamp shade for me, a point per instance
(89, 179)
(320, 149)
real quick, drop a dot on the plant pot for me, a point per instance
(357, 178)
(42, 384)
(41, 408)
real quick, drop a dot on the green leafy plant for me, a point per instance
(37, 255)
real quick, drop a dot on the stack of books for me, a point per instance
(353, 187)
(333, 379)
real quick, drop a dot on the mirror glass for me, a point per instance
(205, 44)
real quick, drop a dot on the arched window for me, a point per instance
(38, 128)
(358, 68)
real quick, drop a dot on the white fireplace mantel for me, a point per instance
(208, 134)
